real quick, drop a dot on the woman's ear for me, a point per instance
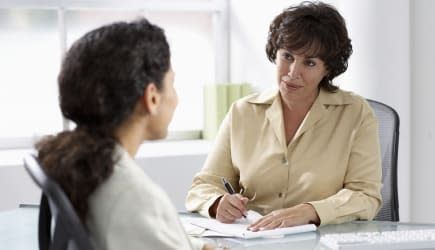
(326, 73)
(151, 99)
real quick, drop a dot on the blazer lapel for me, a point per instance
(316, 113)
(275, 117)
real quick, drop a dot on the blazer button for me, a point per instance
(284, 160)
(280, 195)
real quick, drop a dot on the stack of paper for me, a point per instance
(239, 228)
(305, 240)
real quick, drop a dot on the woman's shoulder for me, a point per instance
(353, 102)
(130, 200)
(129, 178)
(344, 97)
(128, 191)
(265, 97)
(351, 95)
(133, 179)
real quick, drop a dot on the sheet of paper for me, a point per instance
(193, 230)
(197, 231)
(250, 218)
(239, 228)
(302, 238)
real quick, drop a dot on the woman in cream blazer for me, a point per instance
(306, 152)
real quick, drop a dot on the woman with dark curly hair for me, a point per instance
(307, 151)
(116, 84)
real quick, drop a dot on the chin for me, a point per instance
(164, 135)
(157, 135)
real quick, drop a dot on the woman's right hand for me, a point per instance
(211, 247)
(231, 207)
(208, 247)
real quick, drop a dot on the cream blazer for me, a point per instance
(333, 161)
(130, 212)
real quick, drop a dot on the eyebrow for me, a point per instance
(306, 57)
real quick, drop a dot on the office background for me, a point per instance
(393, 63)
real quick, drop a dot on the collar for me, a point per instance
(316, 114)
(121, 156)
(325, 98)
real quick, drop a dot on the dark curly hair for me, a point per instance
(103, 75)
(314, 28)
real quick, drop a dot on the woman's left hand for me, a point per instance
(287, 217)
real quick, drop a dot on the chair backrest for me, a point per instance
(68, 233)
(388, 123)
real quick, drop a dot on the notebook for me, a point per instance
(239, 228)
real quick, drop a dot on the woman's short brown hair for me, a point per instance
(316, 29)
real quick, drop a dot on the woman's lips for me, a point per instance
(287, 82)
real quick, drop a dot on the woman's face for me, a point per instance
(169, 101)
(299, 76)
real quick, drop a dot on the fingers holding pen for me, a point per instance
(231, 207)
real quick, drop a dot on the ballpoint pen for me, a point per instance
(229, 188)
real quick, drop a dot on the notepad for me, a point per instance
(239, 228)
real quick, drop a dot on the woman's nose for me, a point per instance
(294, 70)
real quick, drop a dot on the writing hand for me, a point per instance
(294, 216)
(231, 207)
(211, 247)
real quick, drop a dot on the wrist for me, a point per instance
(213, 208)
(313, 217)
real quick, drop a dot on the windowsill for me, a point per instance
(163, 148)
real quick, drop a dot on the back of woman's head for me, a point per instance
(103, 75)
(106, 71)
(314, 28)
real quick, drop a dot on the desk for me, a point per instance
(19, 231)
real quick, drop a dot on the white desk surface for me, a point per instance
(19, 231)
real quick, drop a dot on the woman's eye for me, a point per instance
(288, 56)
(310, 63)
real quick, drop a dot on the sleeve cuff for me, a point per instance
(204, 211)
(324, 211)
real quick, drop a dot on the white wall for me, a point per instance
(249, 24)
(174, 173)
(16, 187)
(379, 69)
(384, 67)
(422, 111)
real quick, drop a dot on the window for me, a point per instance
(29, 62)
(34, 35)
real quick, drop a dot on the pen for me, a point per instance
(228, 186)
(230, 189)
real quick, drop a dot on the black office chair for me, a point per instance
(69, 233)
(388, 123)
